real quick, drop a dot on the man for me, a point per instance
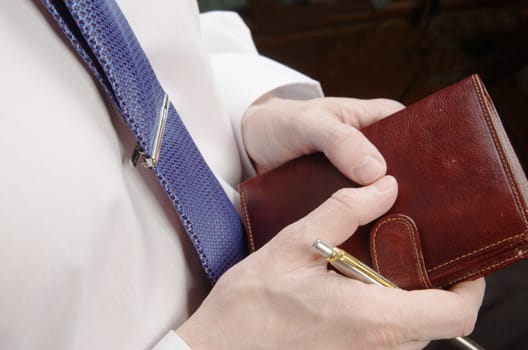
(92, 253)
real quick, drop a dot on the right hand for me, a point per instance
(283, 297)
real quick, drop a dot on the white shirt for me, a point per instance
(92, 255)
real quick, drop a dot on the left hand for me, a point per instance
(277, 130)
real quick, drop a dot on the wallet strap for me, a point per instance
(398, 234)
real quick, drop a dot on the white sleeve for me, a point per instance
(242, 75)
(171, 341)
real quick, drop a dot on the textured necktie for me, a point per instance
(100, 34)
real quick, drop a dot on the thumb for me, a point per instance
(338, 217)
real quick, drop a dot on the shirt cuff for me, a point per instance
(244, 78)
(171, 341)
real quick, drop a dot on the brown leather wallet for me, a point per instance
(461, 210)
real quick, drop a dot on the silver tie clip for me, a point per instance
(150, 162)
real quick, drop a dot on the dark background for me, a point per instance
(405, 49)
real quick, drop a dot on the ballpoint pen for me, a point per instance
(354, 268)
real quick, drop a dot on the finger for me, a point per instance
(438, 314)
(350, 151)
(338, 217)
(471, 290)
(362, 113)
(338, 137)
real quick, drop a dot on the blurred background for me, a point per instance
(401, 49)
(407, 49)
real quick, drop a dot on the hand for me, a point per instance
(277, 130)
(283, 297)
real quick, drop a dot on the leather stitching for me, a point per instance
(483, 270)
(507, 170)
(246, 219)
(476, 251)
(411, 229)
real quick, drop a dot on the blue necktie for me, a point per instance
(100, 34)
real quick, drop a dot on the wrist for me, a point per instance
(201, 335)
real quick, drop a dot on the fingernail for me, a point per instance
(384, 184)
(368, 170)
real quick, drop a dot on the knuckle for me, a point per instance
(351, 112)
(294, 230)
(340, 136)
(293, 234)
(345, 198)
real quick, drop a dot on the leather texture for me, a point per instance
(102, 37)
(398, 234)
(461, 210)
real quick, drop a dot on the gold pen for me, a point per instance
(354, 268)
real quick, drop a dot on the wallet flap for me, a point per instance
(397, 252)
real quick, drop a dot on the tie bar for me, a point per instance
(138, 153)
